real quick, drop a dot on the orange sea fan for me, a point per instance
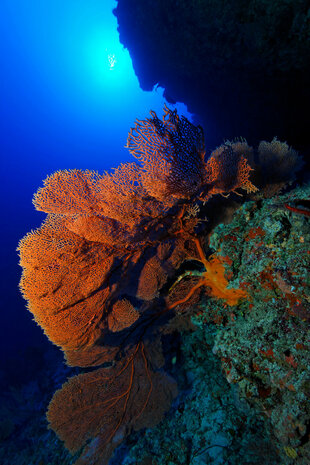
(171, 152)
(68, 192)
(95, 273)
(151, 279)
(131, 395)
(228, 170)
(63, 281)
(95, 355)
(121, 196)
(101, 229)
(122, 316)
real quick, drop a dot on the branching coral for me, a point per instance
(97, 272)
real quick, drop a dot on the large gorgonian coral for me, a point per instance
(97, 275)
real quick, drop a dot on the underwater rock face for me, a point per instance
(210, 424)
(241, 67)
(264, 346)
(122, 262)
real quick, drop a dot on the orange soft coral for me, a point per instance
(213, 278)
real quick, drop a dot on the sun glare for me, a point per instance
(102, 54)
(112, 61)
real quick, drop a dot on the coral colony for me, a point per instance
(106, 274)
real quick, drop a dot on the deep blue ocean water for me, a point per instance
(68, 97)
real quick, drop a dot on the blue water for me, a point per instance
(68, 96)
